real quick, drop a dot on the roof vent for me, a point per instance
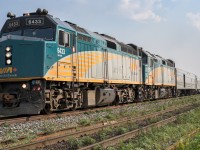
(110, 37)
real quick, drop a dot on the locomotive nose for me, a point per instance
(21, 58)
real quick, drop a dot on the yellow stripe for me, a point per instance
(158, 84)
(169, 85)
(123, 81)
(69, 79)
(93, 80)
(19, 79)
(148, 84)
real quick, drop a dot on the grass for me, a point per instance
(15, 142)
(87, 140)
(148, 107)
(109, 132)
(48, 128)
(84, 122)
(190, 143)
(74, 143)
(163, 137)
(156, 138)
(109, 114)
(111, 117)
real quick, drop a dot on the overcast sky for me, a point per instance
(169, 28)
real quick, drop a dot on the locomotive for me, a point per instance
(49, 65)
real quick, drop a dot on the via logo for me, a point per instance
(8, 70)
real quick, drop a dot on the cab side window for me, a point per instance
(151, 63)
(64, 38)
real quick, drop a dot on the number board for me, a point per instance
(13, 24)
(35, 21)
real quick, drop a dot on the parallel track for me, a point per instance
(12, 120)
(124, 137)
(132, 134)
(86, 130)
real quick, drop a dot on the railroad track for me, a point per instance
(87, 130)
(12, 120)
(132, 134)
(124, 137)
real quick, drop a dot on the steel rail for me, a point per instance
(124, 137)
(87, 130)
(13, 120)
(118, 121)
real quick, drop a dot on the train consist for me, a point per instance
(47, 65)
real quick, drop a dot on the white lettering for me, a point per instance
(60, 51)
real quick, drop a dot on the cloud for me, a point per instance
(141, 10)
(195, 19)
(81, 1)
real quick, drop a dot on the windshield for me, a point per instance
(45, 33)
(18, 32)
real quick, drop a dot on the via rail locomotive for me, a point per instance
(48, 65)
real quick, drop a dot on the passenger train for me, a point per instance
(49, 65)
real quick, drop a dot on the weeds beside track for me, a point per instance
(80, 131)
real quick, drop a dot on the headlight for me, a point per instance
(8, 61)
(24, 86)
(8, 54)
(8, 49)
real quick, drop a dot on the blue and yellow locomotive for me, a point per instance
(47, 65)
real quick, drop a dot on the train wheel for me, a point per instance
(74, 106)
(47, 109)
(116, 102)
(140, 96)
